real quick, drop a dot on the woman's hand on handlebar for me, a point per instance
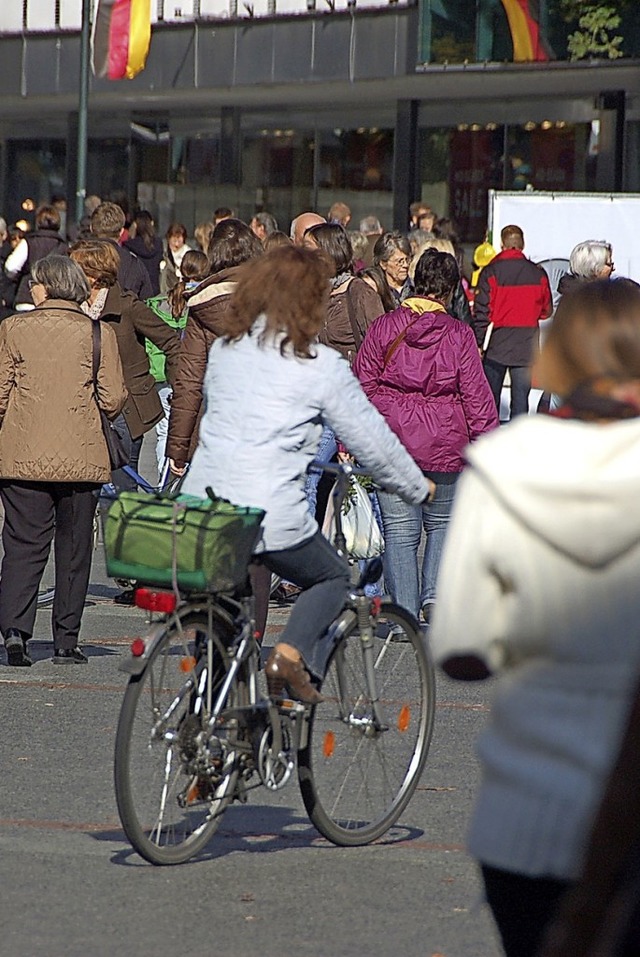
(177, 469)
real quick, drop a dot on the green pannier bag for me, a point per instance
(194, 543)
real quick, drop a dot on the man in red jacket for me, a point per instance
(513, 295)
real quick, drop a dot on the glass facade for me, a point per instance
(287, 170)
(455, 31)
(459, 165)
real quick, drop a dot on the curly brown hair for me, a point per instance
(290, 287)
(98, 259)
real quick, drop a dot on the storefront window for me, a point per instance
(456, 31)
(460, 166)
(359, 159)
(38, 173)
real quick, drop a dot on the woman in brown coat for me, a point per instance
(133, 322)
(53, 455)
(231, 245)
(353, 305)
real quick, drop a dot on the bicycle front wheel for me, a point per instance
(174, 776)
(363, 759)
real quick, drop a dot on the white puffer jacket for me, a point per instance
(263, 421)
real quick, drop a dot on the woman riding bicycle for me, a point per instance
(269, 389)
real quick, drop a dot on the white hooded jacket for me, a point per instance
(261, 428)
(541, 578)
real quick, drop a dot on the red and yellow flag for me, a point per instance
(524, 24)
(121, 38)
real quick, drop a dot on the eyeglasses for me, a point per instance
(611, 265)
(33, 282)
(402, 261)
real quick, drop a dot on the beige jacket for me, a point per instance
(49, 422)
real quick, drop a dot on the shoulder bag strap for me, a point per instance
(355, 329)
(399, 339)
(95, 359)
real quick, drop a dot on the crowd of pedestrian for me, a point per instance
(369, 344)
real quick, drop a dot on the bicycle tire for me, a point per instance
(356, 780)
(154, 772)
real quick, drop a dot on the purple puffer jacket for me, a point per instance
(433, 392)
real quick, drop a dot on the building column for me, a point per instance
(230, 168)
(71, 166)
(610, 168)
(406, 187)
(424, 31)
(3, 175)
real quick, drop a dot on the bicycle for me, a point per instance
(196, 732)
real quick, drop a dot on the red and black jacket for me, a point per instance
(514, 294)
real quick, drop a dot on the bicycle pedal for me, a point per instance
(287, 706)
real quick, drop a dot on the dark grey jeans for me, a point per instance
(325, 581)
(122, 481)
(520, 385)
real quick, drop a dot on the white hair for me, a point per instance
(589, 258)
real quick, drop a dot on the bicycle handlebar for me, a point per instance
(343, 472)
(337, 468)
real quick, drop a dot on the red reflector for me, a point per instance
(162, 601)
(138, 647)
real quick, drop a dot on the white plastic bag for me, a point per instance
(361, 531)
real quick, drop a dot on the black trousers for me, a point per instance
(522, 907)
(34, 512)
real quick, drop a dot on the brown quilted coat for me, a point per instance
(207, 307)
(49, 423)
(133, 321)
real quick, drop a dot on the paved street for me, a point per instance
(266, 885)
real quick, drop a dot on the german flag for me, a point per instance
(524, 24)
(121, 38)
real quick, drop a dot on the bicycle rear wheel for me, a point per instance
(173, 777)
(356, 774)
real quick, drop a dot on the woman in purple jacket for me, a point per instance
(421, 368)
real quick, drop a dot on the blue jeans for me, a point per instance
(403, 525)
(326, 450)
(520, 385)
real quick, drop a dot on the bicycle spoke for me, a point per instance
(356, 777)
(174, 774)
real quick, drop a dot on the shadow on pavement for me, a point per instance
(265, 831)
(42, 650)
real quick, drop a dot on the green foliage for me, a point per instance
(350, 496)
(594, 36)
(574, 9)
(450, 49)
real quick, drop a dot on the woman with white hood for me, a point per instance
(539, 583)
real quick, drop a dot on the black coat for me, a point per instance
(132, 276)
(40, 244)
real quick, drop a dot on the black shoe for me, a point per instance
(16, 647)
(69, 656)
(125, 597)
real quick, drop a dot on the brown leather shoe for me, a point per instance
(281, 672)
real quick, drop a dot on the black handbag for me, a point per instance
(118, 454)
